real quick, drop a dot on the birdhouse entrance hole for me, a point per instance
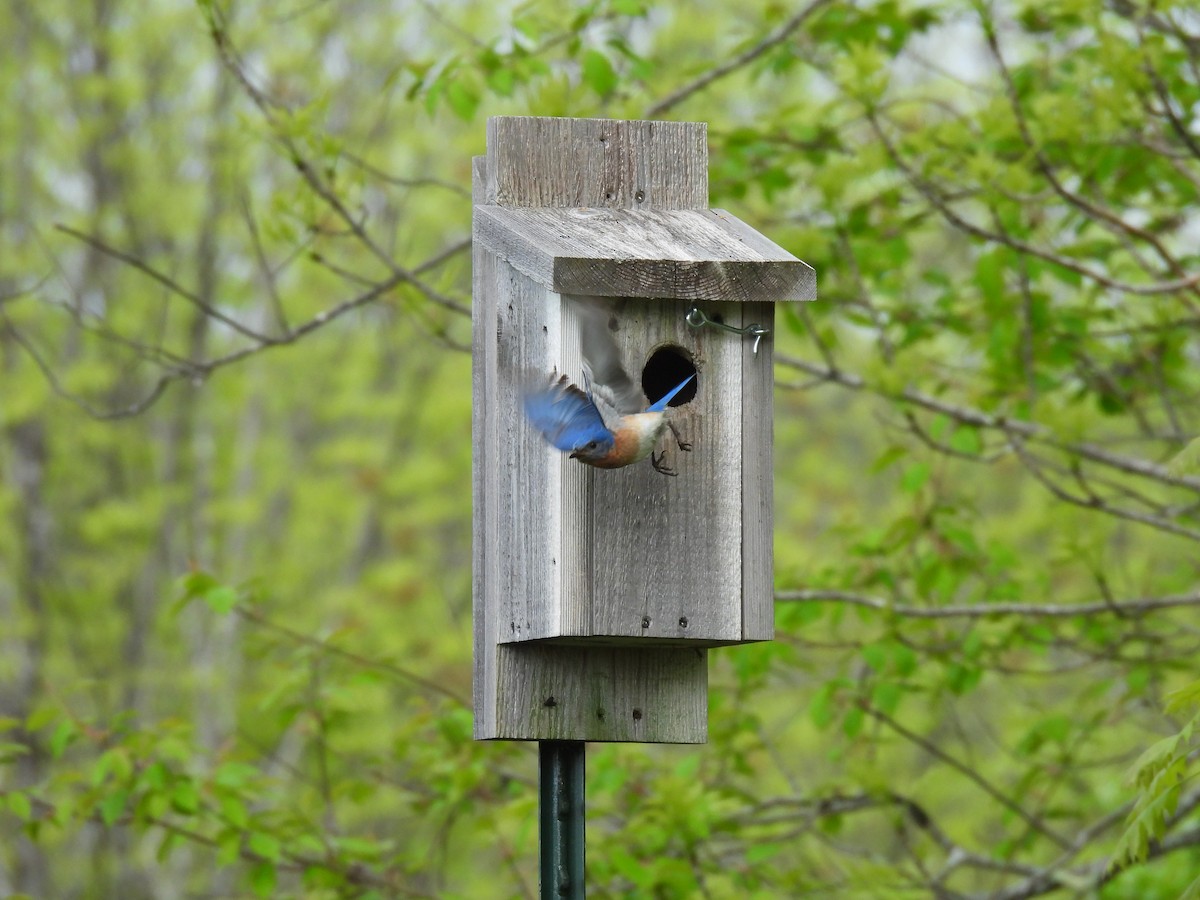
(667, 366)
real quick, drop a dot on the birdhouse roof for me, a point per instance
(676, 254)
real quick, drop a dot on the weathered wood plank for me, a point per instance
(561, 162)
(526, 474)
(667, 555)
(483, 360)
(758, 502)
(602, 694)
(578, 486)
(673, 254)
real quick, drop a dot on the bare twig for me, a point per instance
(935, 198)
(254, 616)
(1092, 210)
(166, 281)
(966, 771)
(970, 416)
(1139, 606)
(747, 56)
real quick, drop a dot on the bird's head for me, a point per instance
(592, 450)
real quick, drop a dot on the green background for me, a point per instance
(235, 450)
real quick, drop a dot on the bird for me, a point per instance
(605, 424)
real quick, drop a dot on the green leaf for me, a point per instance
(886, 696)
(1186, 461)
(853, 722)
(966, 441)
(915, 476)
(760, 852)
(1183, 699)
(234, 775)
(112, 806)
(502, 82)
(10, 750)
(265, 845)
(221, 599)
(888, 457)
(464, 102)
(114, 761)
(989, 275)
(64, 735)
(598, 72)
(41, 716)
(170, 840)
(263, 878)
(20, 806)
(229, 846)
(233, 810)
(821, 708)
(185, 798)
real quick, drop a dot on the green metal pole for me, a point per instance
(560, 819)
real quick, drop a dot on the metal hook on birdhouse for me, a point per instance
(697, 319)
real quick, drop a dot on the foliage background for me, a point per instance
(234, 408)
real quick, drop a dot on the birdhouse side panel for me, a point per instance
(758, 501)
(667, 550)
(483, 379)
(525, 474)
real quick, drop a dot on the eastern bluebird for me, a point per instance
(603, 426)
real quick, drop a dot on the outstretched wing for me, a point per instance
(608, 383)
(565, 416)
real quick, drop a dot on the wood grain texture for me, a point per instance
(675, 254)
(483, 362)
(667, 555)
(525, 473)
(758, 502)
(558, 162)
(601, 694)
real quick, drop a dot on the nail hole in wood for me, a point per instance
(645, 621)
(683, 621)
(637, 715)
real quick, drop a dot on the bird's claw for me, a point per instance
(660, 465)
(683, 445)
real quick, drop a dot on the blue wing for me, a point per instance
(566, 416)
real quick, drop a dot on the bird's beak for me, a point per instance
(575, 455)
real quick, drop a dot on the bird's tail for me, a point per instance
(661, 404)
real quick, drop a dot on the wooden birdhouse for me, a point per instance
(597, 591)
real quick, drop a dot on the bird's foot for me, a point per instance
(683, 445)
(659, 461)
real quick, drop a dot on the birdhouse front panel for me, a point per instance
(667, 554)
(659, 550)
